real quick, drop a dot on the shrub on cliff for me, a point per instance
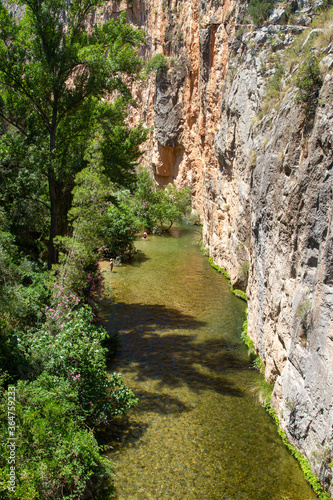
(308, 83)
(258, 10)
(157, 63)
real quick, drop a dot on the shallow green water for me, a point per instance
(198, 432)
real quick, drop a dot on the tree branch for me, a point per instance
(14, 124)
(17, 87)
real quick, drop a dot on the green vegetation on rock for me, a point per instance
(157, 63)
(235, 291)
(258, 10)
(308, 83)
(263, 391)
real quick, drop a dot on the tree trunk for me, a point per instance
(52, 252)
(60, 198)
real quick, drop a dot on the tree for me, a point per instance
(23, 195)
(309, 83)
(174, 204)
(155, 206)
(119, 233)
(53, 74)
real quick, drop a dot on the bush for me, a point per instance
(258, 10)
(119, 231)
(55, 457)
(275, 84)
(70, 346)
(309, 83)
(24, 290)
(157, 63)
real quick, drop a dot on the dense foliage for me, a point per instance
(53, 74)
(155, 208)
(68, 196)
(309, 83)
(55, 455)
(59, 353)
(58, 134)
(259, 9)
(157, 63)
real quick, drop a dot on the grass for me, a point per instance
(235, 291)
(289, 63)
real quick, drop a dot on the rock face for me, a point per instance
(261, 179)
(277, 170)
(291, 286)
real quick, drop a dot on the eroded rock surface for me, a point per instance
(277, 170)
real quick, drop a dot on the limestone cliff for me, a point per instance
(260, 170)
(276, 163)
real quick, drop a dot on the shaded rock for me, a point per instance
(278, 16)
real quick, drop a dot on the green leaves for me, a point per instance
(157, 63)
(259, 9)
(53, 68)
(309, 83)
(119, 231)
(53, 74)
(55, 129)
(69, 346)
(56, 457)
(155, 206)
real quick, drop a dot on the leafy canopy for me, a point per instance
(55, 76)
(155, 207)
(50, 64)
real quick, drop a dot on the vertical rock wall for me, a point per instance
(291, 280)
(278, 171)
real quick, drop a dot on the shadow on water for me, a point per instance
(124, 431)
(160, 403)
(196, 433)
(137, 259)
(127, 430)
(150, 344)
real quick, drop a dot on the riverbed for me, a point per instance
(198, 431)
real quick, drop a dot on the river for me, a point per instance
(198, 431)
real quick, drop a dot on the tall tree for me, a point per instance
(54, 71)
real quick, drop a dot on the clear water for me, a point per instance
(198, 431)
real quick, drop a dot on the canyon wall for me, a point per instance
(260, 171)
(276, 166)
